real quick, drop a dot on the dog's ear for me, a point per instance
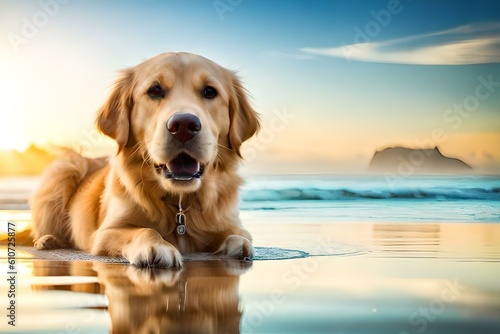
(113, 117)
(244, 120)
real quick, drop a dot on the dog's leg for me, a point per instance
(143, 247)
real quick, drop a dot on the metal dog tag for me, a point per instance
(180, 219)
(181, 229)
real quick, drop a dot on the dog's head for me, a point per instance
(185, 114)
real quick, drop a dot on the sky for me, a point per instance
(333, 81)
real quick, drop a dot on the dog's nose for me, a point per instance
(184, 126)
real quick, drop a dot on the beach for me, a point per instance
(358, 141)
(365, 272)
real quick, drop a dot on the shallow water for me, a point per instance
(359, 278)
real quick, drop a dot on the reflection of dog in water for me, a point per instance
(202, 298)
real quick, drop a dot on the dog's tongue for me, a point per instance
(183, 166)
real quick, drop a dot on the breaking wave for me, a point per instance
(319, 194)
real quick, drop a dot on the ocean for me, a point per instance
(340, 198)
(332, 198)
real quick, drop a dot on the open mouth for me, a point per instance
(181, 168)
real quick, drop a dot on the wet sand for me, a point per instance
(348, 278)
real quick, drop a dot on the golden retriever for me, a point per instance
(179, 121)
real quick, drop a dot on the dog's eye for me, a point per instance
(156, 92)
(209, 92)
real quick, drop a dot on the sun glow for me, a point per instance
(11, 136)
(11, 140)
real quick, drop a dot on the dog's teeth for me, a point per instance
(183, 178)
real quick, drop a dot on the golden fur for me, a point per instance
(124, 206)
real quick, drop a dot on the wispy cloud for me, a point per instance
(468, 44)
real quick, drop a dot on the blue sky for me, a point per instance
(413, 62)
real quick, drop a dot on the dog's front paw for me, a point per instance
(236, 246)
(156, 255)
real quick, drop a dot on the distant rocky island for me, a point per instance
(32, 161)
(399, 160)
(404, 161)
